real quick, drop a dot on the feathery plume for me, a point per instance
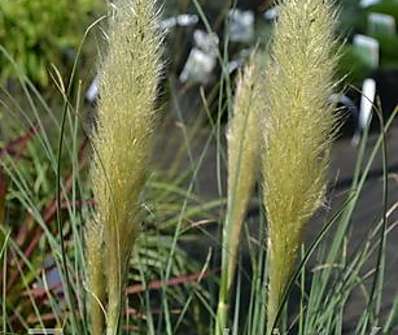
(299, 128)
(243, 155)
(129, 79)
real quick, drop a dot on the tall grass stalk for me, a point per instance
(96, 278)
(299, 128)
(129, 79)
(243, 154)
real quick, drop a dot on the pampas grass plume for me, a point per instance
(299, 128)
(129, 79)
(243, 157)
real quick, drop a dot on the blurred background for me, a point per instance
(41, 34)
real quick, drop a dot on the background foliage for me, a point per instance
(37, 33)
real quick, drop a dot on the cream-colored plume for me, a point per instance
(129, 78)
(298, 130)
(243, 157)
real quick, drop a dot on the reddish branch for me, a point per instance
(41, 294)
(157, 284)
(29, 229)
(16, 147)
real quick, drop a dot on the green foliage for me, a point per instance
(352, 65)
(389, 7)
(389, 47)
(354, 19)
(37, 33)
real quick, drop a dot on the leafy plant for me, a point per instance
(38, 33)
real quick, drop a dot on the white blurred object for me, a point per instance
(367, 102)
(369, 47)
(184, 20)
(368, 3)
(202, 59)
(199, 67)
(92, 92)
(241, 25)
(381, 23)
(366, 106)
(272, 13)
(206, 42)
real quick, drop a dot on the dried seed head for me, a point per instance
(299, 128)
(243, 155)
(129, 78)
